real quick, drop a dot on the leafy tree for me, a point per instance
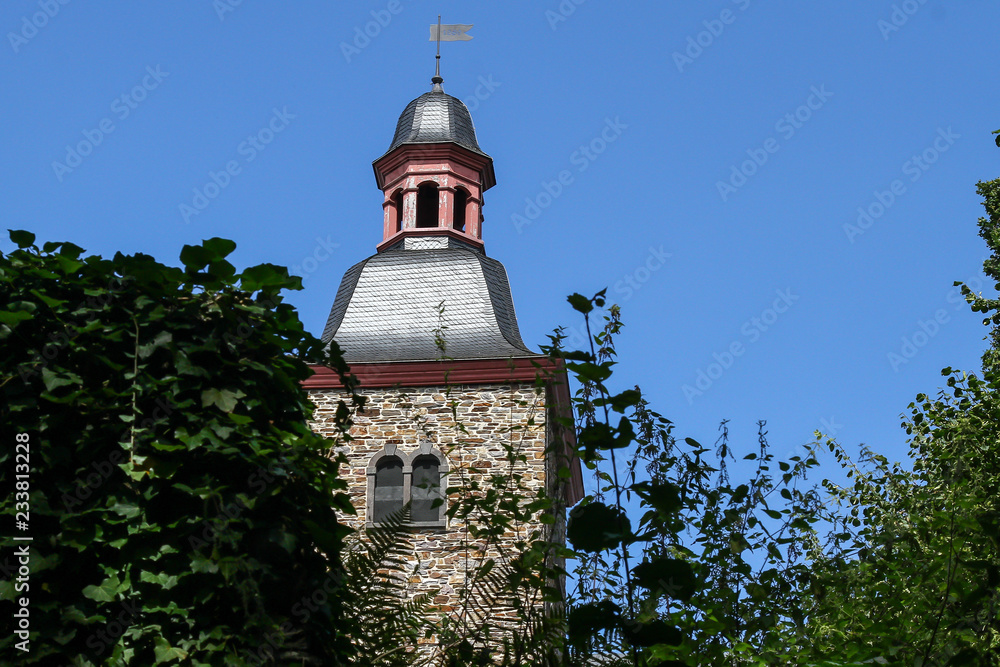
(677, 564)
(179, 508)
(912, 569)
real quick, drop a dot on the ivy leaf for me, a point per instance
(580, 303)
(162, 579)
(53, 381)
(596, 526)
(586, 620)
(740, 494)
(47, 300)
(195, 257)
(218, 248)
(622, 401)
(652, 633)
(664, 498)
(668, 576)
(22, 238)
(224, 399)
(127, 510)
(268, 275)
(626, 434)
(164, 652)
(591, 371)
(105, 592)
(596, 437)
(12, 317)
(161, 339)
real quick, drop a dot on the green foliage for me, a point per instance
(176, 494)
(912, 567)
(989, 231)
(510, 600)
(388, 624)
(181, 509)
(900, 566)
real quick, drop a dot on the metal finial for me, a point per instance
(437, 80)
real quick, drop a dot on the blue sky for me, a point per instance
(718, 154)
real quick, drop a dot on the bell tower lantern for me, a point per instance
(434, 174)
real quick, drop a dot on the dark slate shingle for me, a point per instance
(436, 117)
(387, 307)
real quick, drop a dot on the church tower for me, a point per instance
(427, 324)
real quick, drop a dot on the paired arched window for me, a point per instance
(428, 205)
(396, 478)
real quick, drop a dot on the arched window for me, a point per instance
(388, 488)
(458, 211)
(396, 478)
(425, 488)
(427, 205)
(397, 200)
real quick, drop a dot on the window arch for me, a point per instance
(397, 200)
(425, 488)
(388, 492)
(427, 205)
(458, 209)
(396, 478)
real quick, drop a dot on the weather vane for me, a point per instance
(452, 32)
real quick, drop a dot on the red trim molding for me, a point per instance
(430, 373)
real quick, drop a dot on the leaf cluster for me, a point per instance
(181, 509)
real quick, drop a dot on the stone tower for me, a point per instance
(427, 324)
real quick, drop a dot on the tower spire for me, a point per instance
(437, 80)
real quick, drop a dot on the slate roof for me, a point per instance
(387, 305)
(436, 117)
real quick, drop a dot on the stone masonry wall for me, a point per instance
(492, 415)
